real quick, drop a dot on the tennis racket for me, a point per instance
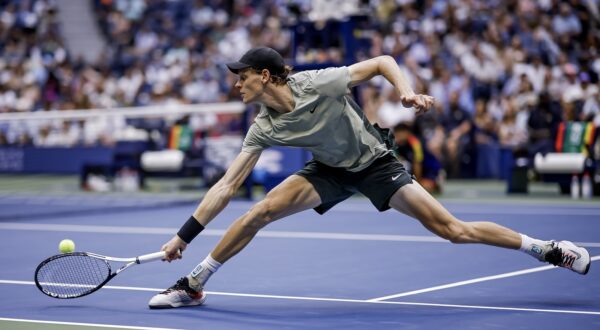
(77, 274)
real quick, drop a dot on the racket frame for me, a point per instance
(128, 263)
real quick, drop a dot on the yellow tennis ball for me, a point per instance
(66, 246)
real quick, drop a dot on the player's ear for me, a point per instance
(265, 76)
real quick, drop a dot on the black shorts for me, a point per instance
(379, 181)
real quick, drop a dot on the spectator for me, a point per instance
(511, 135)
(525, 94)
(591, 107)
(566, 23)
(458, 127)
(483, 65)
(485, 126)
(542, 125)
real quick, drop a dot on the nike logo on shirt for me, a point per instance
(396, 177)
(313, 109)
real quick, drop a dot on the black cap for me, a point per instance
(260, 58)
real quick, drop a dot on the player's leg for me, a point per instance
(415, 201)
(293, 195)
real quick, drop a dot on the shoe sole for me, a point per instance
(177, 305)
(587, 268)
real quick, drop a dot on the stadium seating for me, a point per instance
(172, 53)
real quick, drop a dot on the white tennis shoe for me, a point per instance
(179, 295)
(568, 255)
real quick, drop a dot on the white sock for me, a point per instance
(534, 247)
(200, 275)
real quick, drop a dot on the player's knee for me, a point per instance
(260, 215)
(457, 232)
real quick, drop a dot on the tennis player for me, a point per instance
(313, 110)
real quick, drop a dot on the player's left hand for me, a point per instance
(422, 103)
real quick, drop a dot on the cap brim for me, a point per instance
(235, 67)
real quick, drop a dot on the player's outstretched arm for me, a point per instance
(387, 67)
(217, 197)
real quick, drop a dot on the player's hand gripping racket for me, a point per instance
(73, 275)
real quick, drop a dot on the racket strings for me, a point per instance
(72, 275)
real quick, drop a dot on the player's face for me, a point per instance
(250, 85)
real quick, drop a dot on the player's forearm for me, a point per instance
(390, 70)
(215, 200)
(219, 195)
(213, 203)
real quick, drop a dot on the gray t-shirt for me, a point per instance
(325, 121)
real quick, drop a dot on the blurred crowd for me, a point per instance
(504, 73)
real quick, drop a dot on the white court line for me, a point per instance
(220, 232)
(462, 208)
(265, 296)
(98, 325)
(467, 282)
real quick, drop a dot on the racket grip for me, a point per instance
(150, 257)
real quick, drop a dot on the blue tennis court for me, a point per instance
(353, 268)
